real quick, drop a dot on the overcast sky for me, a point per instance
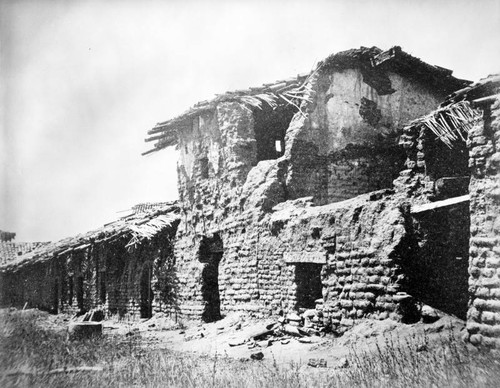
(82, 82)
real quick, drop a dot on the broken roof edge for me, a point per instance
(458, 113)
(394, 59)
(143, 223)
(282, 92)
(485, 87)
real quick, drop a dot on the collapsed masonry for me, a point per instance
(316, 190)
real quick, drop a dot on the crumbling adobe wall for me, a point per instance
(34, 285)
(483, 318)
(105, 276)
(437, 268)
(360, 243)
(216, 156)
(225, 191)
(347, 144)
(428, 162)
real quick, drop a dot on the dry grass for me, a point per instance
(29, 353)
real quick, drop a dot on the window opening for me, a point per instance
(270, 127)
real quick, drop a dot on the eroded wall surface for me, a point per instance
(348, 143)
(128, 283)
(483, 318)
(341, 146)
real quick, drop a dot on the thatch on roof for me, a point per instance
(142, 224)
(290, 91)
(450, 123)
(458, 114)
(297, 90)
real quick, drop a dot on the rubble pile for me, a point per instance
(301, 327)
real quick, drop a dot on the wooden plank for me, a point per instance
(439, 204)
(305, 257)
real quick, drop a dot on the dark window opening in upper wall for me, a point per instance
(448, 168)
(270, 128)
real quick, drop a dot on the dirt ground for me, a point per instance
(230, 337)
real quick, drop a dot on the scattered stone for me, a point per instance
(264, 344)
(83, 330)
(289, 329)
(292, 317)
(401, 296)
(257, 356)
(429, 314)
(422, 348)
(236, 342)
(317, 363)
(342, 363)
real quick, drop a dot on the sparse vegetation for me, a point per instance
(33, 356)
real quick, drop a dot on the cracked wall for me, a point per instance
(347, 145)
(342, 146)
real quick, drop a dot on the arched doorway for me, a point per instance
(210, 253)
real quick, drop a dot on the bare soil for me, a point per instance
(229, 337)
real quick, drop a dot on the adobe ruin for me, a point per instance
(344, 190)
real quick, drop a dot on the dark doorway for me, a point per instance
(146, 292)
(79, 292)
(70, 290)
(102, 287)
(438, 271)
(270, 129)
(55, 297)
(210, 253)
(309, 288)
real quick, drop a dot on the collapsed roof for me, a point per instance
(457, 114)
(372, 61)
(144, 222)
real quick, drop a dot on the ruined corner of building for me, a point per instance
(367, 188)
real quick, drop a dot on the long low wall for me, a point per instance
(106, 276)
